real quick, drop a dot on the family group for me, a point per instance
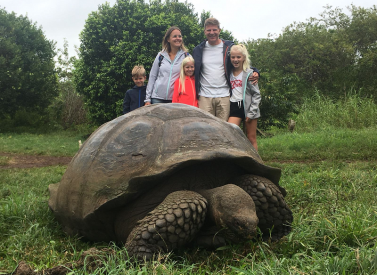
(217, 78)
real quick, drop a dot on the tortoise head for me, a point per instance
(232, 208)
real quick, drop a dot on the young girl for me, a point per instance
(184, 86)
(245, 99)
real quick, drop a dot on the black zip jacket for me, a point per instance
(134, 98)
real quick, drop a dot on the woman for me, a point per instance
(166, 68)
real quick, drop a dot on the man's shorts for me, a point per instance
(217, 106)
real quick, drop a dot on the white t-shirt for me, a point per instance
(212, 75)
(236, 82)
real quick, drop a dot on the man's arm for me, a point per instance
(254, 77)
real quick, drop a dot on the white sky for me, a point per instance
(244, 18)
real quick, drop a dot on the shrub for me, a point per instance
(352, 111)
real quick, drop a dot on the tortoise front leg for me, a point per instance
(170, 225)
(274, 215)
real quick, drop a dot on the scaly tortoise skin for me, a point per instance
(166, 175)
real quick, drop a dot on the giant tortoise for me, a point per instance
(167, 175)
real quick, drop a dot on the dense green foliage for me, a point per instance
(331, 55)
(117, 38)
(27, 73)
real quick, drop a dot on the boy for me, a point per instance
(134, 98)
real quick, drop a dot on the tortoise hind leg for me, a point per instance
(170, 225)
(274, 215)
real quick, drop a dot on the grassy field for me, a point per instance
(53, 144)
(332, 192)
(330, 174)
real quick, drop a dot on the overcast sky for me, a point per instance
(244, 18)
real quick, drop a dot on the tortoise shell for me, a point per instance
(133, 153)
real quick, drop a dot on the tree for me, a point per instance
(27, 77)
(319, 57)
(68, 107)
(331, 55)
(358, 32)
(278, 90)
(362, 34)
(334, 53)
(117, 38)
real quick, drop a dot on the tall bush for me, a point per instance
(27, 76)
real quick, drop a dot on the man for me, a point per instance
(212, 71)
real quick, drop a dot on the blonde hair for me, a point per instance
(182, 75)
(212, 21)
(166, 45)
(138, 70)
(241, 48)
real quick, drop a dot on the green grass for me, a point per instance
(53, 144)
(27, 229)
(332, 192)
(4, 160)
(329, 168)
(335, 144)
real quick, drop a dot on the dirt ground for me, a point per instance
(90, 258)
(10, 160)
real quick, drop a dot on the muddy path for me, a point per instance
(11, 160)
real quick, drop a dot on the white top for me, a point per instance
(212, 75)
(236, 82)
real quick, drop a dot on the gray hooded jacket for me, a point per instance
(251, 96)
(162, 78)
